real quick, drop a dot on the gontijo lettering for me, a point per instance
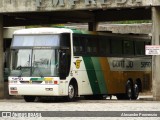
(122, 64)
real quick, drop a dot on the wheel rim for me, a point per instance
(136, 90)
(71, 91)
(129, 91)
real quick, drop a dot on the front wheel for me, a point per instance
(72, 92)
(29, 98)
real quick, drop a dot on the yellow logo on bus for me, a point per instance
(48, 79)
(77, 63)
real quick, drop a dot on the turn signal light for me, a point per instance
(55, 82)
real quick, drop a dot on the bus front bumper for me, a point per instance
(36, 90)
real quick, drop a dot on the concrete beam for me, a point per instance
(123, 14)
(56, 5)
(82, 16)
(1, 59)
(39, 18)
(156, 59)
(155, 2)
(144, 28)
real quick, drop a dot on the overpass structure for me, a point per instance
(38, 12)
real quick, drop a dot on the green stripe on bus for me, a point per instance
(37, 79)
(100, 75)
(91, 75)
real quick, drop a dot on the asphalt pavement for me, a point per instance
(143, 109)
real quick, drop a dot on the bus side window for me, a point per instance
(139, 48)
(75, 44)
(88, 45)
(116, 47)
(91, 46)
(104, 46)
(78, 45)
(128, 47)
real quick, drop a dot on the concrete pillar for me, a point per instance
(92, 26)
(1, 58)
(156, 58)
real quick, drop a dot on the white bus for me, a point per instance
(61, 62)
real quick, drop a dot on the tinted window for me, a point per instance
(139, 48)
(91, 46)
(78, 45)
(116, 47)
(128, 47)
(104, 46)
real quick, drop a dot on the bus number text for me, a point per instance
(145, 64)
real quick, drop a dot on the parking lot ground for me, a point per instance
(113, 106)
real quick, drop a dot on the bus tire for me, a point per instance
(129, 90)
(135, 91)
(29, 98)
(128, 94)
(72, 92)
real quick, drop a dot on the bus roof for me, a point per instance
(43, 31)
(50, 30)
(58, 30)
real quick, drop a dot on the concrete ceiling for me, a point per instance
(75, 16)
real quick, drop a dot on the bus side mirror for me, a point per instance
(63, 65)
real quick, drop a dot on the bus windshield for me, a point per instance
(37, 55)
(34, 62)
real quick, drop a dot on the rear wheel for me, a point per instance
(129, 90)
(128, 94)
(29, 98)
(135, 93)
